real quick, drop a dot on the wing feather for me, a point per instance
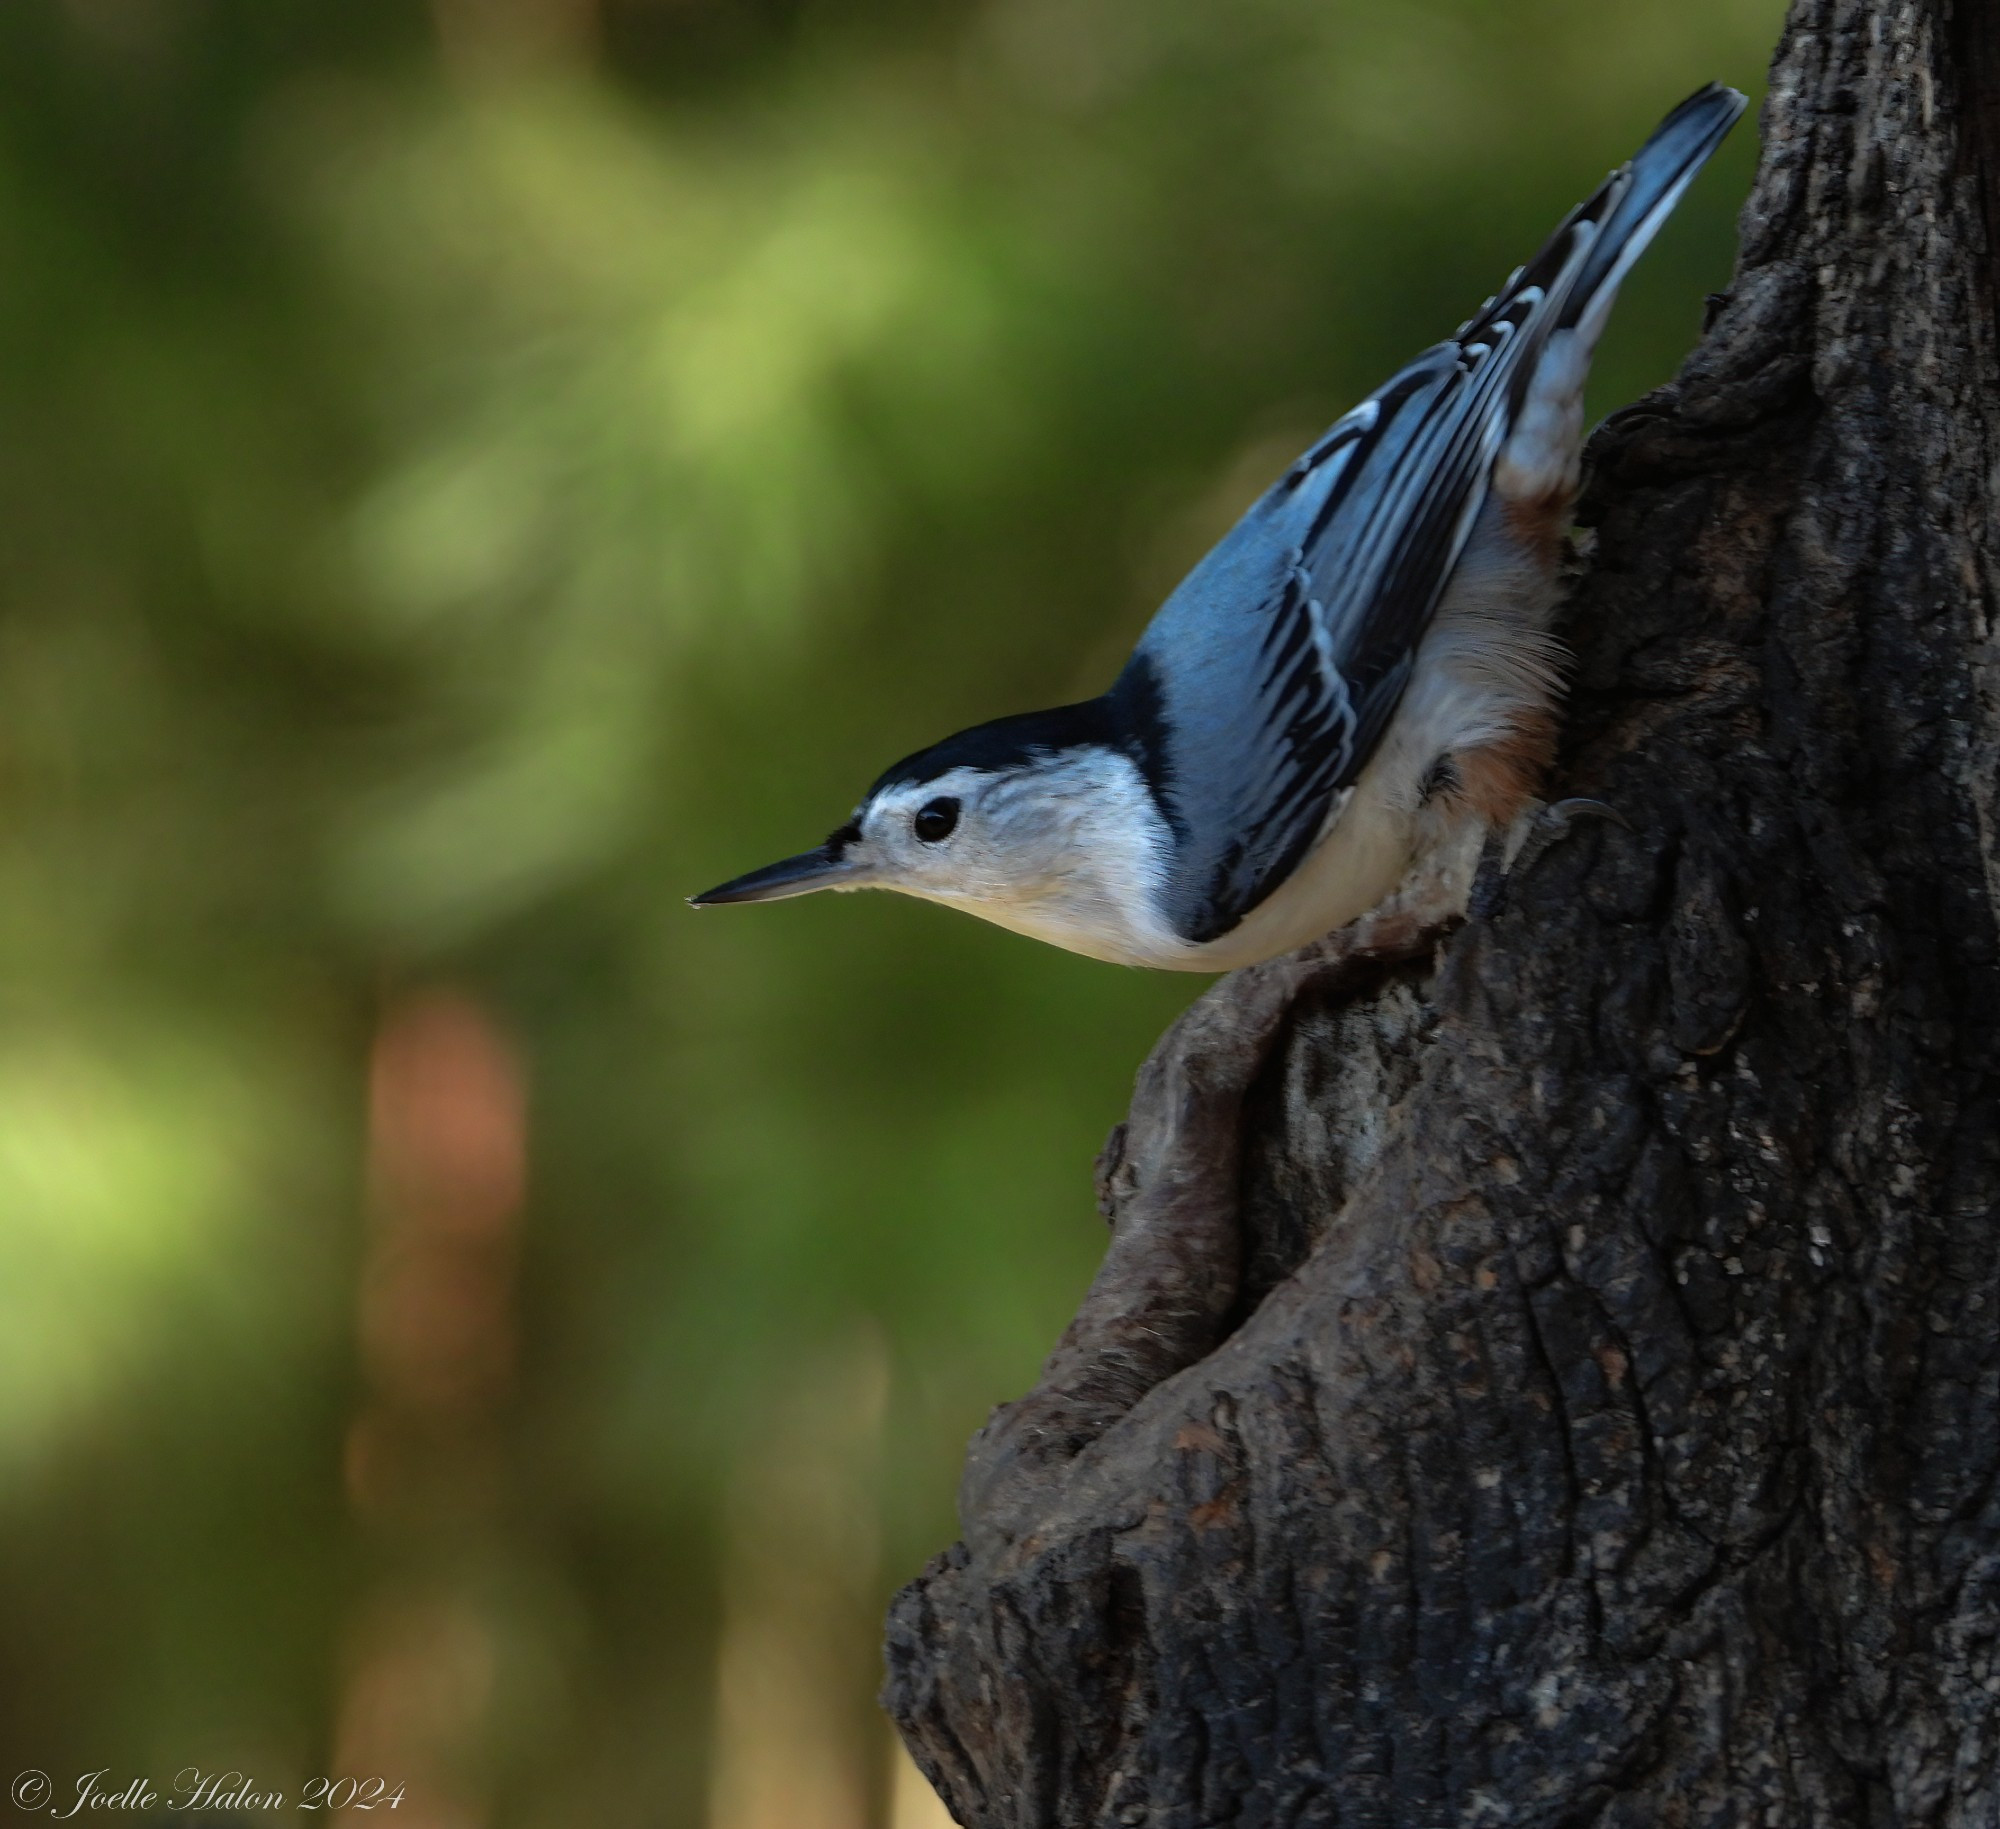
(1282, 689)
(1282, 657)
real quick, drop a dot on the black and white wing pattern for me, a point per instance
(1279, 661)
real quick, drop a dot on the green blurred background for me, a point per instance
(472, 474)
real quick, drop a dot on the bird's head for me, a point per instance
(1037, 823)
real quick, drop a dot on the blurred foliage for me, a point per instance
(472, 474)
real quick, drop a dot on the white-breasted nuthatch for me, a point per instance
(1363, 660)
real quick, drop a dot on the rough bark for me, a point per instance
(1556, 1380)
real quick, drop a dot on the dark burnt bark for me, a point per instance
(1571, 1393)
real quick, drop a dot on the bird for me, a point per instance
(1361, 665)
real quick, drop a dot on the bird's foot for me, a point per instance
(1512, 851)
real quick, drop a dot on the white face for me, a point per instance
(1070, 849)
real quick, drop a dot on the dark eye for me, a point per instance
(936, 818)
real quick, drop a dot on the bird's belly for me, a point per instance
(1364, 853)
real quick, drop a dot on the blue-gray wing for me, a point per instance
(1279, 661)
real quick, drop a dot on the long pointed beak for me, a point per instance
(820, 868)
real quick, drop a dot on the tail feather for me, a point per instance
(1572, 282)
(1648, 187)
(1536, 471)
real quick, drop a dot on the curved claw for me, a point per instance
(1496, 875)
(1563, 812)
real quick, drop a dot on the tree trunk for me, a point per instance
(1557, 1379)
